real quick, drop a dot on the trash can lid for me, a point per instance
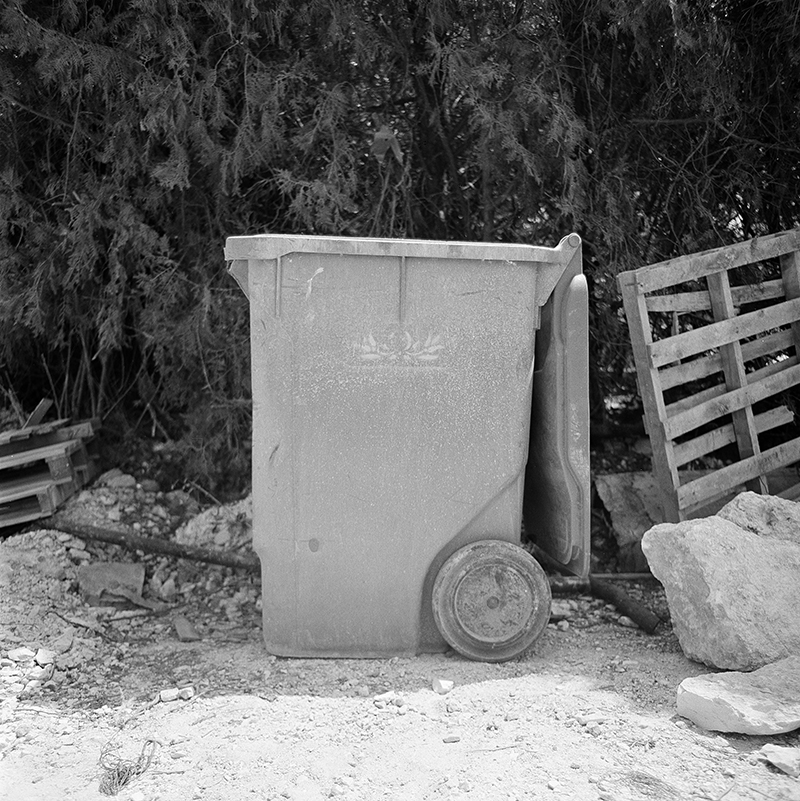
(271, 246)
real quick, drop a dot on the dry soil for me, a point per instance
(587, 714)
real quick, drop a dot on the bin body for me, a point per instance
(391, 386)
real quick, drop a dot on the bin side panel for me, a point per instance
(393, 405)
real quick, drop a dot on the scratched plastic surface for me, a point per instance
(391, 404)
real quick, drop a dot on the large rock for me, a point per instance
(733, 595)
(766, 701)
(766, 515)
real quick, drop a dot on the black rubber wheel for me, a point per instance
(491, 601)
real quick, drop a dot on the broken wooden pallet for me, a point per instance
(715, 339)
(43, 465)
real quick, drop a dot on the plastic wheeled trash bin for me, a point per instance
(392, 386)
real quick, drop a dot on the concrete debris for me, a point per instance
(21, 654)
(119, 480)
(176, 693)
(561, 609)
(782, 757)
(388, 699)
(44, 656)
(733, 595)
(184, 629)
(109, 583)
(766, 701)
(226, 527)
(64, 642)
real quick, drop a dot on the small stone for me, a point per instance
(562, 625)
(552, 784)
(64, 642)
(185, 693)
(184, 629)
(451, 738)
(150, 485)
(591, 717)
(172, 694)
(560, 609)
(44, 657)
(169, 589)
(38, 673)
(21, 654)
(625, 621)
(442, 686)
(783, 758)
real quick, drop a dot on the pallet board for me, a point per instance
(43, 465)
(715, 339)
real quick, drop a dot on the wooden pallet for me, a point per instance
(715, 353)
(43, 465)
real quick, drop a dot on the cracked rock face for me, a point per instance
(733, 594)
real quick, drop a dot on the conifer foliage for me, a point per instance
(135, 135)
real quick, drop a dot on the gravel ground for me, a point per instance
(587, 714)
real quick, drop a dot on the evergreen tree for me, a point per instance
(137, 134)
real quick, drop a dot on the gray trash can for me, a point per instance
(392, 391)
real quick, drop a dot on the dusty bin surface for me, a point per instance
(392, 388)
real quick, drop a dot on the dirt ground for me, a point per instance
(587, 714)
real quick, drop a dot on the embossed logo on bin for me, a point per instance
(397, 346)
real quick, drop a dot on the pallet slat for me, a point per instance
(705, 366)
(708, 337)
(683, 302)
(726, 478)
(692, 449)
(705, 412)
(691, 268)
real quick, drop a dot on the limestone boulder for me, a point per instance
(766, 701)
(733, 595)
(766, 515)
